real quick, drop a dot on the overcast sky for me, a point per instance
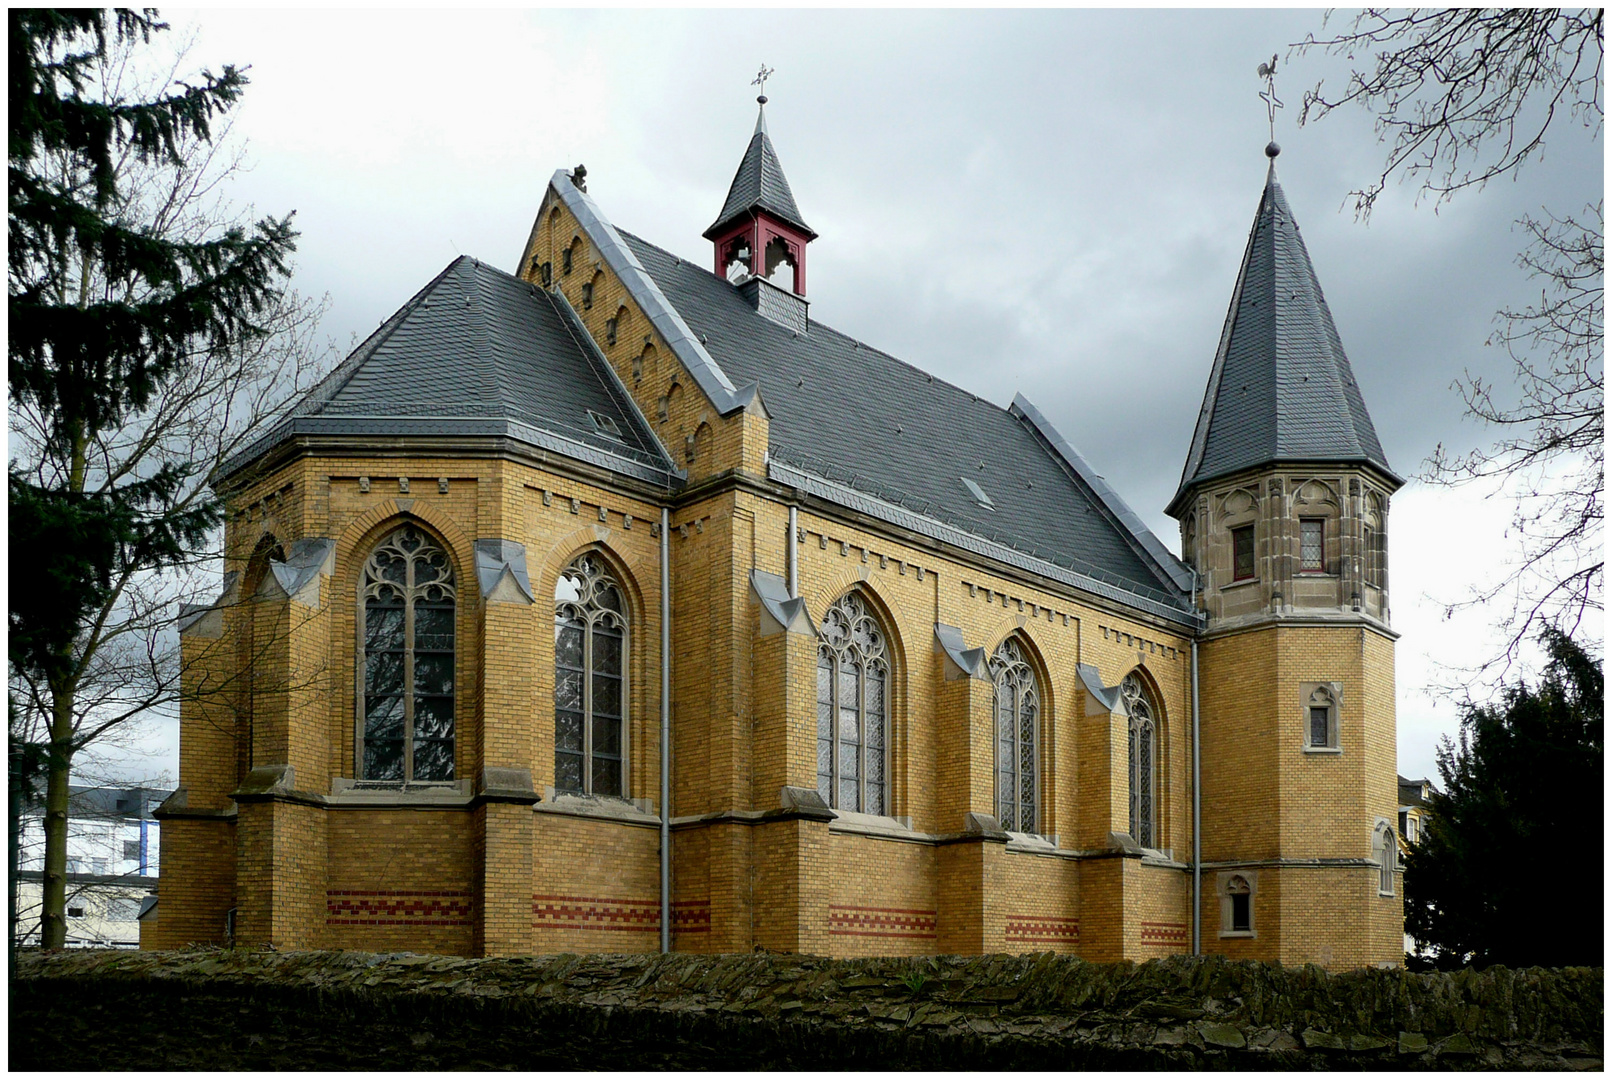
(1051, 202)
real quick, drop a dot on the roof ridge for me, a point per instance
(490, 349)
(819, 324)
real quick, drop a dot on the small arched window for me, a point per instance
(1018, 719)
(590, 680)
(1241, 916)
(853, 674)
(1387, 859)
(406, 654)
(1143, 749)
(1321, 719)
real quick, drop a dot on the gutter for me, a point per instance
(1197, 801)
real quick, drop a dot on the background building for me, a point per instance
(113, 863)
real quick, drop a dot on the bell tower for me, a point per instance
(1283, 505)
(760, 233)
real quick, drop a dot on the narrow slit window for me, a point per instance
(1242, 553)
(1242, 915)
(1312, 545)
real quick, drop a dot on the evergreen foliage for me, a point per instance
(1508, 870)
(109, 311)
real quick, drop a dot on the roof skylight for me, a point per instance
(978, 493)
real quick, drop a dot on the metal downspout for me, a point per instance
(665, 732)
(1197, 800)
(794, 555)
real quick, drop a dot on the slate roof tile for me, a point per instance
(760, 183)
(1281, 388)
(477, 343)
(856, 415)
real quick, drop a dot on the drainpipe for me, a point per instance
(665, 731)
(1197, 799)
(794, 555)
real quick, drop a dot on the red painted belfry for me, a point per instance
(760, 229)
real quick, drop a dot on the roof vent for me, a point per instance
(978, 493)
(604, 425)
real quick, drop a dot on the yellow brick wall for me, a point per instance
(883, 899)
(744, 725)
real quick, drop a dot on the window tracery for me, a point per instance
(1142, 750)
(590, 682)
(852, 695)
(1018, 708)
(406, 647)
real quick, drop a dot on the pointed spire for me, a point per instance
(1281, 388)
(759, 184)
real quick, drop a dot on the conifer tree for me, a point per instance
(109, 314)
(1508, 869)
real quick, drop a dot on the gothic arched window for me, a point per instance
(1018, 709)
(1143, 749)
(590, 680)
(853, 673)
(406, 656)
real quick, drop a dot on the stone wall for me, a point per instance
(213, 1009)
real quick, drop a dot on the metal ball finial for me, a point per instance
(761, 99)
(1271, 150)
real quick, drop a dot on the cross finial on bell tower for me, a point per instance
(761, 80)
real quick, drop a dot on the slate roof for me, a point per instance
(479, 352)
(760, 185)
(1281, 388)
(853, 415)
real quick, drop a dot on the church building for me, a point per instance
(611, 602)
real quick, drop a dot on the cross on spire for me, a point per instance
(761, 80)
(1268, 95)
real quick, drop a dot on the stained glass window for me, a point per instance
(1018, 708)
(590, 665)
(1242, 553)
(407, 659)
(852, 677)
(1142, 750)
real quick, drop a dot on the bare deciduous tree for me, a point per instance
(216, 395)
(1462, 97)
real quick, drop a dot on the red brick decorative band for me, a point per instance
(1164, 933)
(397, 907)
(690, 917)
(1023, 929)
(595, 913)
(880, 922)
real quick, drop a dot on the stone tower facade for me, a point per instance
(1283, 507)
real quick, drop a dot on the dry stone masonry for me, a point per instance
(221, 1009)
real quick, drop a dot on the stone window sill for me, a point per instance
(1323, 750)
(608, 807)
(849, 821)
(1237, 934)
(346, 792)
(1025, 841)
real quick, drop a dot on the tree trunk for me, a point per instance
(53, 914)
